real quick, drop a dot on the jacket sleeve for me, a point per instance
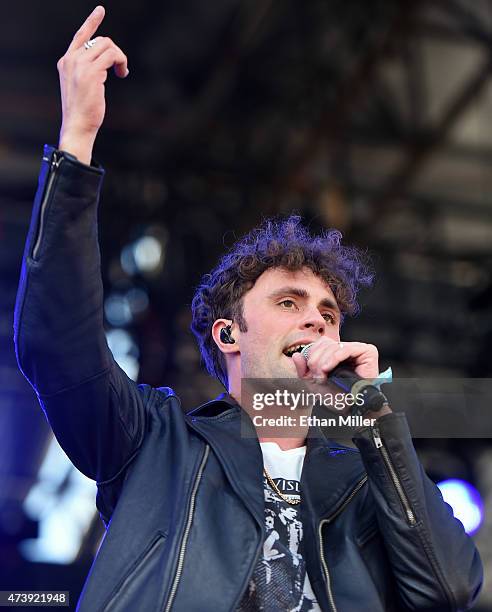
(435, 563)
(96, 412)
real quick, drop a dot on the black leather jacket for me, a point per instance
(182, 493)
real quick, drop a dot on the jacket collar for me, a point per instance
(235, 443)
(330, 473)
(222, 402)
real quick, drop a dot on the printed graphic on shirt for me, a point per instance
(280, 581)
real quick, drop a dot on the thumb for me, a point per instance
(301, 365)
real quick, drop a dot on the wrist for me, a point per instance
(79, 144)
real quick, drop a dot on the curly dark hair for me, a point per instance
(276, 243)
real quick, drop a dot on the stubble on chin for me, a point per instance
(268, 367)
(282, 369)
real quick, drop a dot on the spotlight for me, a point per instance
(147, 252)
(465, 501)
(117, 310)
(62, 501)
(125, 351)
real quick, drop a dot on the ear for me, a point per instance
(225, 347)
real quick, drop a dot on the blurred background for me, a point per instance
(371, 117)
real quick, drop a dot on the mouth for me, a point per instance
(295, 348)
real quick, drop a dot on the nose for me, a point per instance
(314, 321)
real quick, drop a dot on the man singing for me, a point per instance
(203, 511)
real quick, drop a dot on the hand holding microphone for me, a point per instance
(351, 367)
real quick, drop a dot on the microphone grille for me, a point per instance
(306, 349)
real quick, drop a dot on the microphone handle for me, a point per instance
(344, 377)
(350, 382)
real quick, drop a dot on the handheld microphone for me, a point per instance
(348, 381)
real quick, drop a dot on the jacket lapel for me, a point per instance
(233, 439)
(329, 475)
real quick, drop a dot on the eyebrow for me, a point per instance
(303, 294)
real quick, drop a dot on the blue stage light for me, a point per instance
(466, 502)
(62, 501)
(125, 351)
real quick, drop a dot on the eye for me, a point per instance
(327, 316)
(289, 304)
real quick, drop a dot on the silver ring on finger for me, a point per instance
(89, 44)
(305, 351)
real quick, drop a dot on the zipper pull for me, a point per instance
(376, 437)
(55, 160)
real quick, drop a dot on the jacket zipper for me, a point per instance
(184, 540)
(258, 552)
(394, 476)
(55, 163)
(354, 491)
(408, 509)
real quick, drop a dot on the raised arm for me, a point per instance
(97, 413)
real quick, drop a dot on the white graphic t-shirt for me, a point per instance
(280, 582)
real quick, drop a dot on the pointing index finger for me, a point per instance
(88, 28)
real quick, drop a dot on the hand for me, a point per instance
(83, 73)
(326, 354)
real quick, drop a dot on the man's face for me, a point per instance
(284, 309)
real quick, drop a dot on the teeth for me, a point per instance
(294, 349)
